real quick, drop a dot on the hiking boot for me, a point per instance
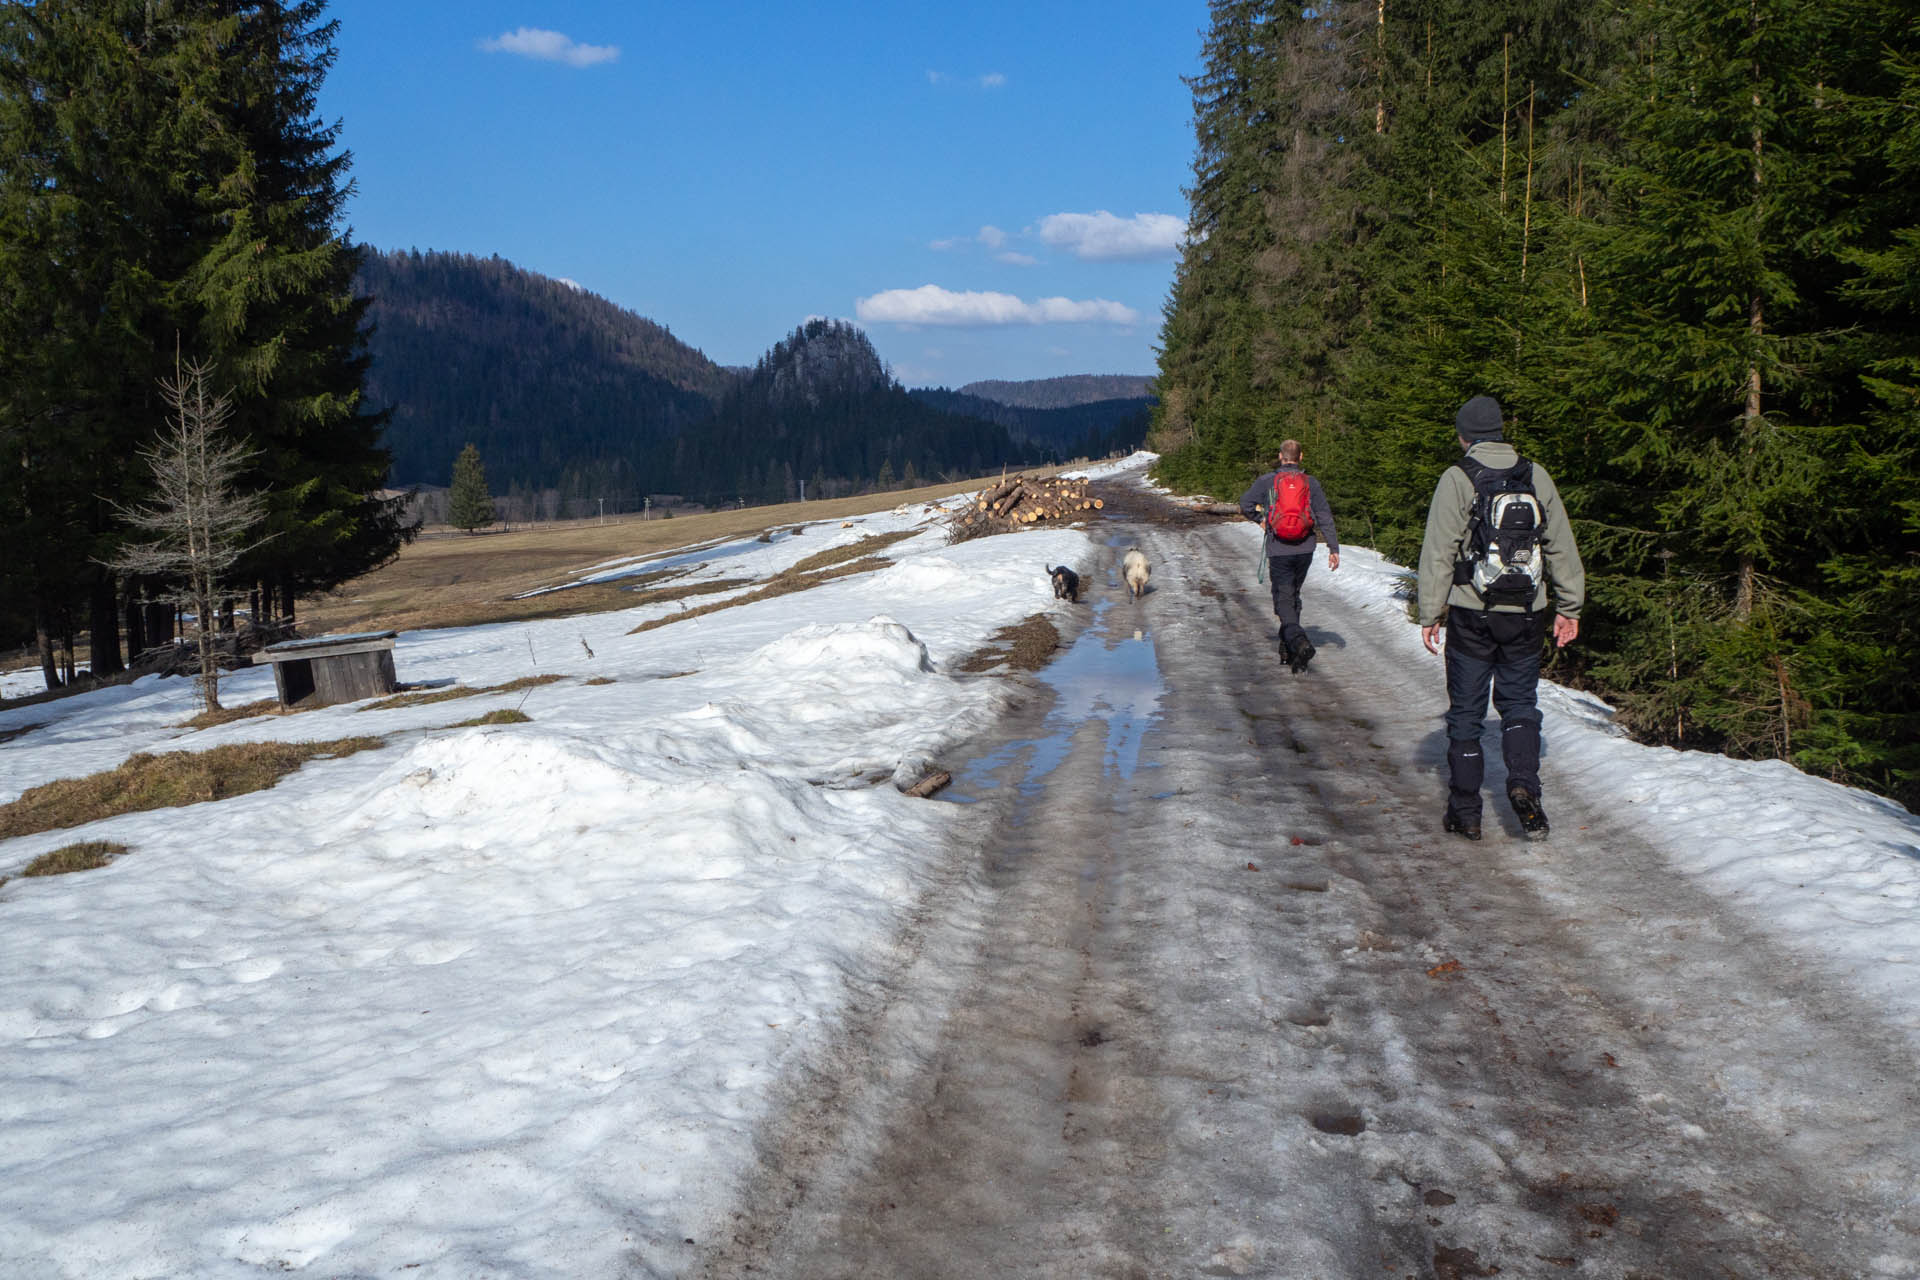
(1526, 807)
(1468, 827)
(1300, 657)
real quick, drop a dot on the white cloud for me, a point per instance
(951, 242)
(992, 236)
(551, 46)
(932, 305)
(1013, 259)
(1102, 237)
(991, 80)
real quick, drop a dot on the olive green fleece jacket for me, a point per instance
(1447, 519)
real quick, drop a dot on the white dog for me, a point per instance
(1133, 567)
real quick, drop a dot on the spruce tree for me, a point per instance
(469, 505)
(278, 311)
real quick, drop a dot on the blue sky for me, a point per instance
(990, 190)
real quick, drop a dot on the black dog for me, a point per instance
(1066, 584)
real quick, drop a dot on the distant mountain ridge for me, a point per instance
(1091, 430)
(575, 403)
(1063, 392)
(547, 379)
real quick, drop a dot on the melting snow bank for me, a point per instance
(500, 1001)
(1832, 870)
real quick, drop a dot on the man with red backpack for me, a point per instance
(1291, 507)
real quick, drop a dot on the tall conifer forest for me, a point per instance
(1679, 240)
(169, 197)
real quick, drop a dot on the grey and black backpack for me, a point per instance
(1503, 559)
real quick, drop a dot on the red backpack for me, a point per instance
(1290, 514)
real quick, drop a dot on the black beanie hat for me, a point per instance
(1479, 419)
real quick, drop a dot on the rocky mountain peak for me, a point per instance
(823, 358)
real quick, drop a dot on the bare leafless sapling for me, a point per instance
(197, 524)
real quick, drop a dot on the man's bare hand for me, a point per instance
(1564, 630)
(1430, 636)
(1333, 559)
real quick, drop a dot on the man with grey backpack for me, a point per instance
(1497, 564)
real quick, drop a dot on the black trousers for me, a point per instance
(1285, 574)
(1497, 653)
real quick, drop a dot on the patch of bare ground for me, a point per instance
(822, 566)
(421, 697)
(506, 715)
(163, 781)
(686, 591)
(245, 711)
(1027, 645)
(84, 856)
(8, 735)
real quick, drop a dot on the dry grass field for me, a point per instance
(452, 579)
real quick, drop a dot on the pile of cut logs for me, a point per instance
(1019, 500)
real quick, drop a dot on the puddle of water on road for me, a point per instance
(1115, 678)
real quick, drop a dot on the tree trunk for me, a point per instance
(104, 628)
(66, 642)
(43, 641)
(286, 612)
(136, 620)
(159, 624)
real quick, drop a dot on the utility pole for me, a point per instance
(603, 509)
(646, 508)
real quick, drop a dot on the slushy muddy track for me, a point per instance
(1208, 993)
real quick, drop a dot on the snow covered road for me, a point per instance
(1232, 1005)
(669, 980)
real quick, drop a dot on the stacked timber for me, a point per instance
(1021, 500)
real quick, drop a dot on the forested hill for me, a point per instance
(820, 410)
(1678, 242)
(1061, 393)
(1091, 430)
(557, 387)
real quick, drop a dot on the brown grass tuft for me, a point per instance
(821, 566)
(422, 697)
(779, 585)
(1026, 645)
(245, 711)
(852, 550)
(600, 680)
(506, 715)
(84, 856)
(667, 595)
(163, 781)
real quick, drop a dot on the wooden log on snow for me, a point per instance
(929, 784)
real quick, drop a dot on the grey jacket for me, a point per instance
(1253, 504)
(1447, 519)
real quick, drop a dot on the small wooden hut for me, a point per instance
(330, 669)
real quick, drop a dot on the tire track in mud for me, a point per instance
(1244, 1011)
